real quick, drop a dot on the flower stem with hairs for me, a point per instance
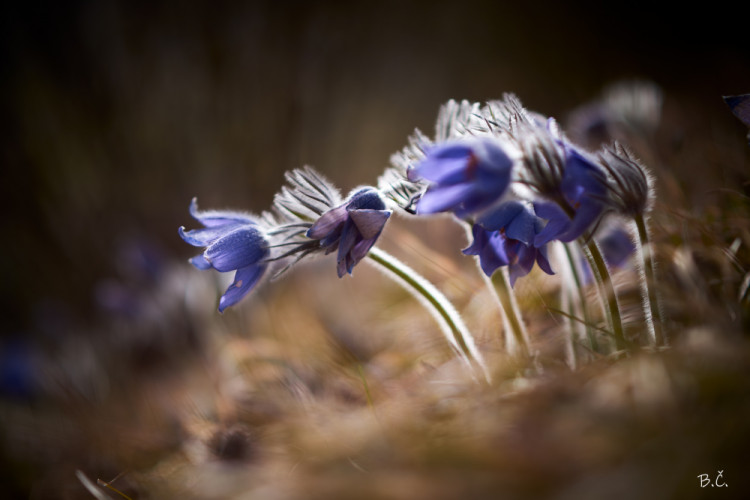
(606, 289)
(647, 271)
(437, 304)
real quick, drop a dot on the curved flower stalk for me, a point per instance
(632, 195)
(234, 241)
(456, 333)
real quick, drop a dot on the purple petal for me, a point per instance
(523, 227)
(446, 171)
(489, 248)
(212, 218)
(369, 222)
(327, 223)
(205, 236)
(349, 237)
(245, 280)
(240, 248)
(526, 258)
(492, 159)
(359, 251)
(617, 246)
(586, 215)
(740, 106)
(499, 218)
(444, 198)
(200, 262)
(480, 239)
(543, 262)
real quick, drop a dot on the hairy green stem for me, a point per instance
(442, 310)
(649, 294)
(606, 288)
(576, 274)
(510, 311)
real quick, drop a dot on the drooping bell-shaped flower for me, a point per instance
(314, 219)
(351, 229)
(465, 176)
(505, 237)
(233, 241)
(631, 190)
(581, 200)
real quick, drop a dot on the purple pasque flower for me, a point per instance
(505, 236)
(466, 176)
(351, 228)
(234, 242)
(311, 217)
(580, 201)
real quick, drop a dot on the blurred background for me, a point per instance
(116, 114)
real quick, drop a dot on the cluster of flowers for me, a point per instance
(509, 172)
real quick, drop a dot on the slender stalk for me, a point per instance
(651, 306)
(510, 311)
(442, 310)
(606, 288)
(576, 274)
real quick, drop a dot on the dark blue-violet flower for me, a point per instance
(465, 176)
(311, 217)
(352, 228)
(580, 203)
(234, 242)
(505, 237)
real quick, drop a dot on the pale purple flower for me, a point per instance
(580, 202)
(465, 176)
(233, 241)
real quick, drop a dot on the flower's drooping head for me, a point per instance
(315, 219)
(542, 157)
(570, 182)
(505, 237)
(234, 242)
(466, 176)
(351, 228)
(631, 184)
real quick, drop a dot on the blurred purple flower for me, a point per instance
(505, 236)
(351, 228)
(466, 176)
(234, 242)
(617, 246)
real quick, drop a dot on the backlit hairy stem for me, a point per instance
(510, 311)
(578, 281)
(442, 310)
(651, 306)
(607, 289)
